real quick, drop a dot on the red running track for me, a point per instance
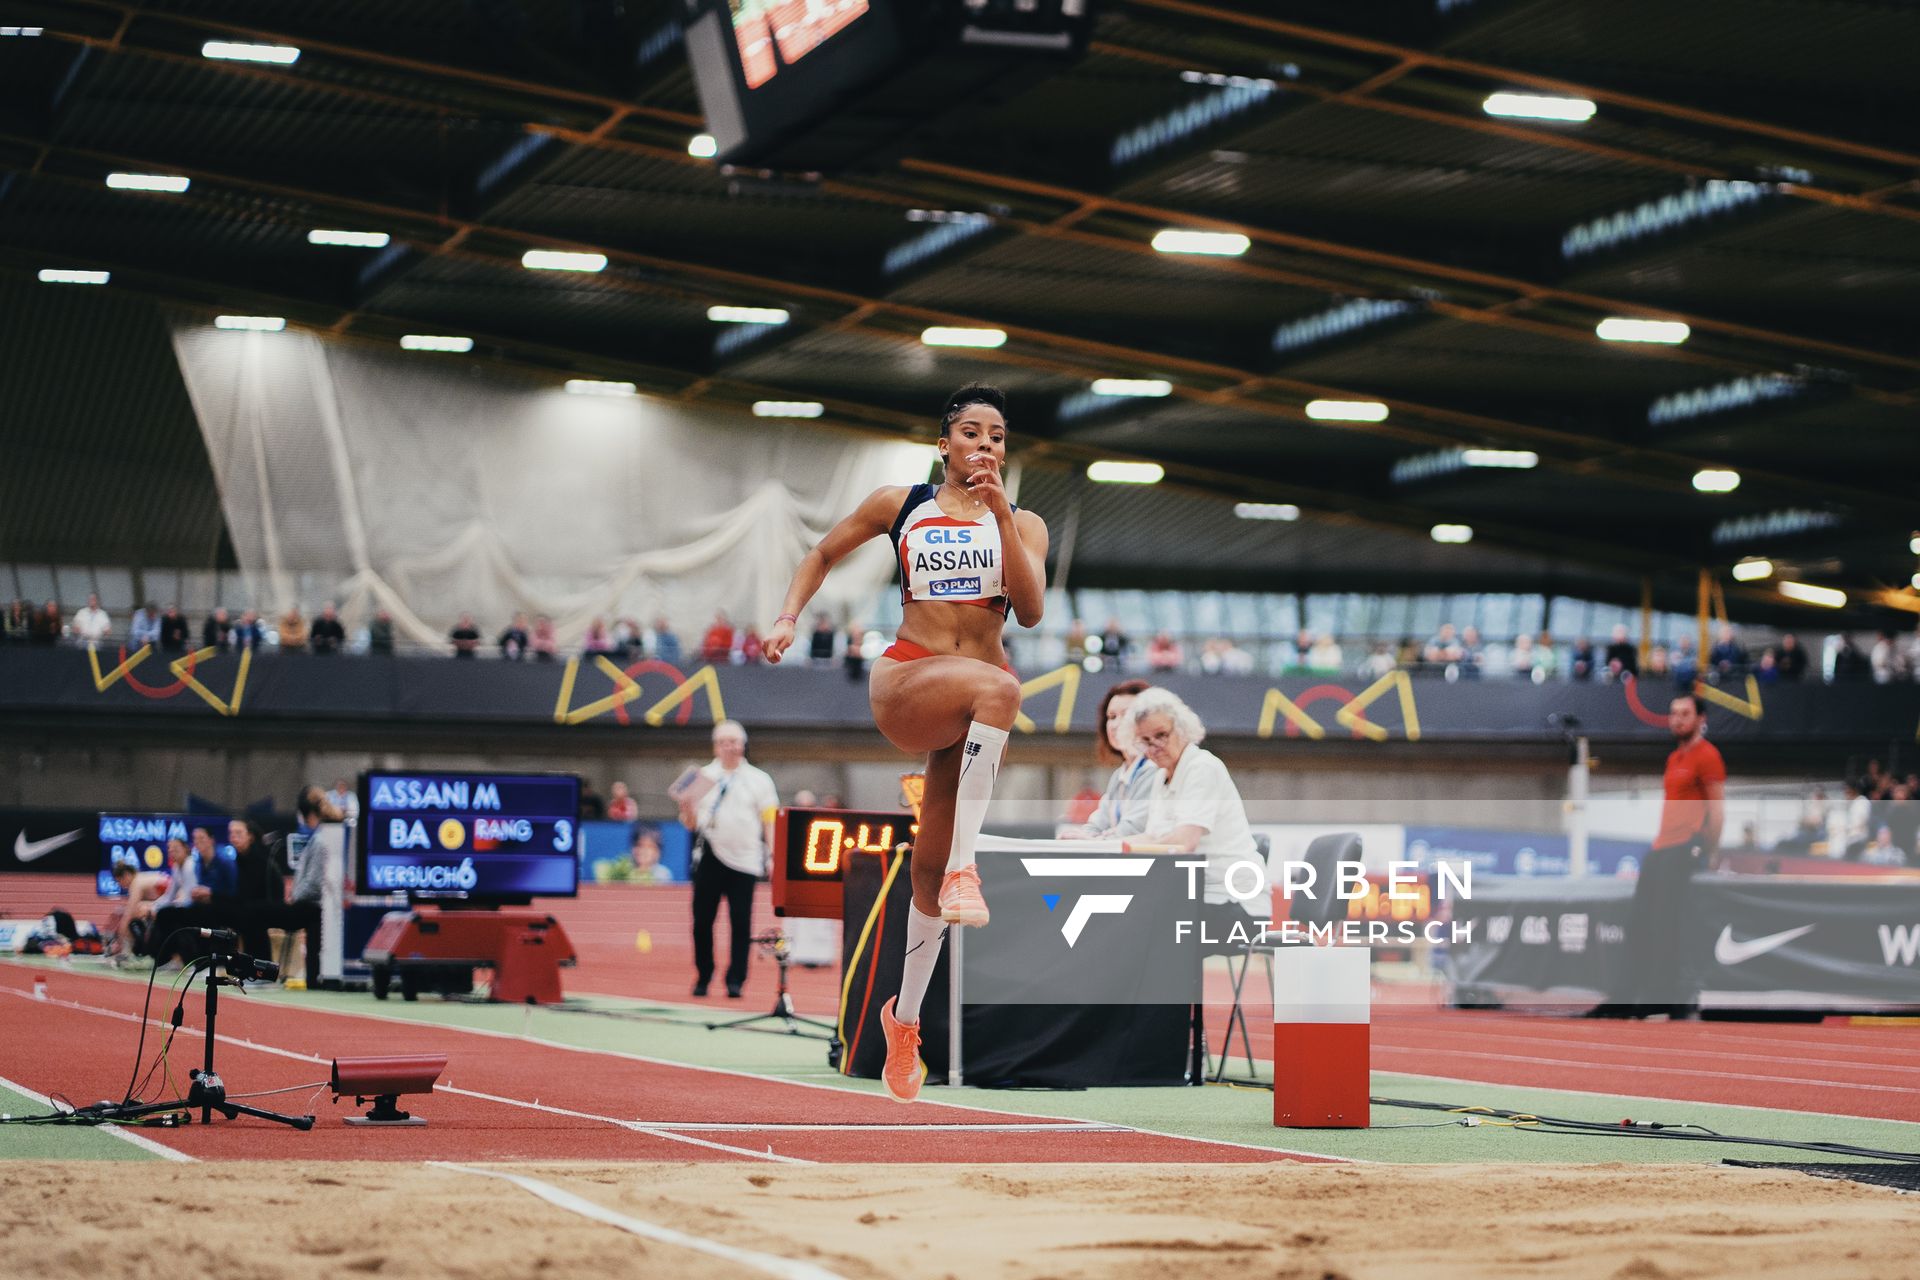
(505, 1098)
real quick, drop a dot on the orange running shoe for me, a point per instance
(960, 900)
(904, 1071)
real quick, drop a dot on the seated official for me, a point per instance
(202, 876)
(1196, 808)
(1122, 810)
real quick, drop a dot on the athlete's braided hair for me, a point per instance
(966, 397)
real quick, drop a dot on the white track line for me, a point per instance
(733, 1073)
(1643, 1097)
(632, 1125)
(705, 1126)
(771, 1264)
(125, 1135)
(1576, 1044)
(1690, 1073)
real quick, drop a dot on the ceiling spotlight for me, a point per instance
(1533, 106)
(1109, 472)
(1226, 244)
(701, 146)
(167, 182)
(952, 336)
(435, 342)
(596, 387)
(1624, 329)
(1131, 387)
(1715, 480)
(1913, 544)
(59, 275)
(747, 315)
(1807, 593)
(1455, 533)
(1753, 570)
(558, 260)
(251, 324)
(788, 408)
(280, 55)
(350, 239)
(1266, 511)
(1347, 410)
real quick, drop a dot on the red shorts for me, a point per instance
(908, 651)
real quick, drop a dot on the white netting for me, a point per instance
(430, 487)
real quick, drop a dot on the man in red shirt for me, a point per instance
(1657, 976)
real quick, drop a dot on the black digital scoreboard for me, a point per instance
(820, 84)
(812, 848)
(485, 837)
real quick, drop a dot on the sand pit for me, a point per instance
(305, 1221)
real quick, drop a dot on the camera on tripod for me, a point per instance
(245, 968)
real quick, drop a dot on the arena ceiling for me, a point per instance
(1749, 170)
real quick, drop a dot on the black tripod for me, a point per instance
(206, 1090)
(774, 943)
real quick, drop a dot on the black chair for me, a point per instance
(1324, 854)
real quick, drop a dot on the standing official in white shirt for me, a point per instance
(732, 825)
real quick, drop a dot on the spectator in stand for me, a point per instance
(1728, 657)
(1657, 668)
(515, 639)
(663, 645)
(342, 797)
(1792, 659)
(1881, 851)
(825, 637)
(1768, 669)
(292, 630)
(626, 640)
(1849, 663)
(854, 657)
(91, 625)
(597, 639)
(1210, 656)
(217, 631)
(327, 635)
(1235, 661)
(1684, 663)
(380, 633)
(17, 623)
(1406, 655)
(593, 806)
(1885, 660)
(1584, 659)
(144, 629)
(1378, 663)
(1520, 658)
(1622, 657)
(1302, 647)
(1115, 644)
(1546, 662)
(1903, 818)
(1164, 654)
(544, 642)
(175, 630)
(465, 637)
(621, 806)
(717, 645)
(1473, 654)
(747, 647)
(48, 626)
(1325, 655)
(247, 633)
(1076, 639)
(1444, 648)
(1859, 811)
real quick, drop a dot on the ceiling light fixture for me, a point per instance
(954, 336)
(701, 146)
(1266, 511)
(1225, 244)
(1625, 329)
(251, 324)
(560, 260)
(747, 315)
(788, 408)
(350, 239)
(1347, 410)
(61, 275)
(170, 183)
(1110, 472)
(435, 342)
(1535, 106)
(1513, 459)
(597, 387)
(1753, 570)
(1807, 593)
(279, 55)
(1147, 387)
(1453, 533)
(1716, 480)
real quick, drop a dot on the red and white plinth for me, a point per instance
(1322, 1007)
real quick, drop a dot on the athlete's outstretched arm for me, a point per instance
(871, 519)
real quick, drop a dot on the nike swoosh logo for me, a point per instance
(1729, 952)
(33, 850)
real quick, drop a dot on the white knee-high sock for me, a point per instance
(924, 934)
(979, 766)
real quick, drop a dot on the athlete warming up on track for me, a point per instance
(967, 556)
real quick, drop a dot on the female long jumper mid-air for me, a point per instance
(944, 688)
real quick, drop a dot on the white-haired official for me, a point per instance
(1194, 806)
(732, 824)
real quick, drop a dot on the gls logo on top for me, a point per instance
(1087, 906)
(954, 587)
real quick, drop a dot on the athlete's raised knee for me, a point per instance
(997, 700)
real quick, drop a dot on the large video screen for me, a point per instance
(139, 840)
(479, 836)
(772, 34)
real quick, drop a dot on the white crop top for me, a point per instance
(946, 558)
